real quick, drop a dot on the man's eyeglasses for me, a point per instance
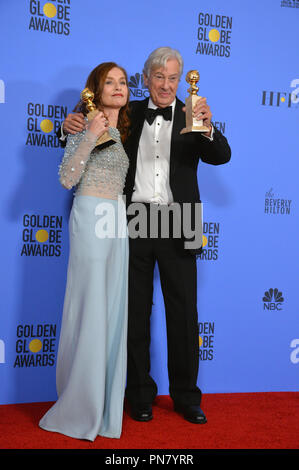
(161, 78)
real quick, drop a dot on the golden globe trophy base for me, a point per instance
(192, 124)
(105, 140)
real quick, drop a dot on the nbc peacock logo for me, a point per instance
(273, 299)
(137, 86)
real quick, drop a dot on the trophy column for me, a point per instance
(87, 96)
(192, 124)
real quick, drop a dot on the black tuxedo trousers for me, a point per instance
(178, 276)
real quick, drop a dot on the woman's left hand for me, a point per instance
(99, 124)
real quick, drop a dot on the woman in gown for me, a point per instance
(91, 361)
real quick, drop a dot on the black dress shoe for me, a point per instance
(141, 412)
(192, 413)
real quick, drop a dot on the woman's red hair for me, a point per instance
(95, 82)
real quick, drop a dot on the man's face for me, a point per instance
(163, 83)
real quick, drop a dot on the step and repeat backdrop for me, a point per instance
(247, 57)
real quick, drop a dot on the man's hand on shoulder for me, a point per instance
(73, 123)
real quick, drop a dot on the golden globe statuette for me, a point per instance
(192, 124)
(87, 96)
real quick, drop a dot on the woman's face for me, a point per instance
(115, 90)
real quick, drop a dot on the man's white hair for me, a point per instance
(159, 57)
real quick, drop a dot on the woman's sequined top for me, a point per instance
(94, 172)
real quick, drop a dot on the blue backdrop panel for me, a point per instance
(247, 56)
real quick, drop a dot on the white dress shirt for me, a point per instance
(153, 161)
(153, 158)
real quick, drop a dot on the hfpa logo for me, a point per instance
(2, 352)
(2, 92)
(273, 299)
(282, 98)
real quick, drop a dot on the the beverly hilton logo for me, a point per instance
(273, 299)
(137, 86)
(276, 205)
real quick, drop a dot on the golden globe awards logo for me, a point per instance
(214, 34)
(41, 235)
(206, 340)
(50, 17)
(35, 345)
(210, 241)
(43, 121)
(220, 125)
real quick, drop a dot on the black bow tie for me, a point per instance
(150, 114)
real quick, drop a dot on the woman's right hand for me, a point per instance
(99, 124)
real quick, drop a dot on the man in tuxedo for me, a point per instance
(163, 171)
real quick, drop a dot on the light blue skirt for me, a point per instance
(92, 353)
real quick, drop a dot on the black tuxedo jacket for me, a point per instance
(185, 152)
